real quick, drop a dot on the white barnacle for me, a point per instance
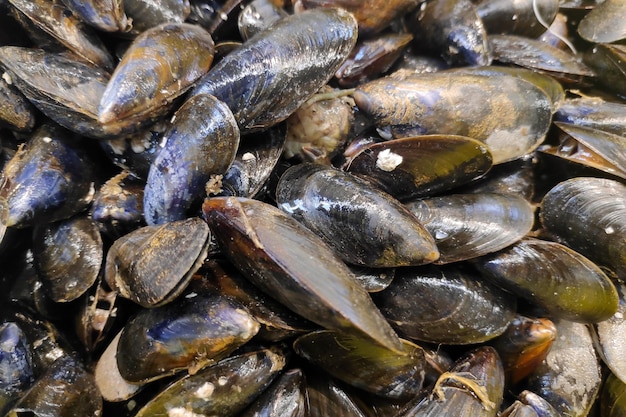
(388, 161)
(204, 391)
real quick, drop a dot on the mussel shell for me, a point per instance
(286, 397)
(595, 113)
(537, 55)
(117, 207)
(58, 22)
(269, 76)
(372, 15)
(68, 256)
(510, 115)
(558, 279)
(292, 264)
(16, 112)
(473, 387)
(445, 305)
(185, 334)
(159, 66)
(66, 389)
(254, 163)
(608, 63)
(201, 142)
(530, 404)
(569, 378)
(258, 15)
(362, 224)
(277, 322)
(467, 226)
(223, 389)
(364, 365)
(146, 14)
(48, 179)
(65, 90)
(452, 29)
(605, 23)
(105, 15)
(16, 370)
(514, 17)
(414, 167)
(139, 267)
(523, 345)
(589, 215)
(373, 279)
(613, 397)
(326, 397)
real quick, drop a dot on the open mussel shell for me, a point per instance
(57, 21)
(523, 345)
(414, 167)
(363, 225)
(605, 23)
(364, 365)
(293, 265)
(445, 305)
(554, 277)
(200, 144)
(592, 148)
(64, 89)
(139, 267)
(613, 397)
(593, 112)
(589, 215)
(188, 333)
(159, 66)
(472, 387)
(65, 389)
(286, 397)
(453, 30)
(68, 256)
(467, 226)
(538, 56)
(569, 378)
(271, 75)
(225, 388)
(49, 178)
(461, 104)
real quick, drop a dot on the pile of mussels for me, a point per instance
(313, 208)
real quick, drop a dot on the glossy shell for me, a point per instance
(589, 216)
(200, 144)
(268, 78)
(363, 225)
(414, 167)
(445, 305)
(159, 66)
(558, 279)
(467, 226)
(509, 115)
(293, 265)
